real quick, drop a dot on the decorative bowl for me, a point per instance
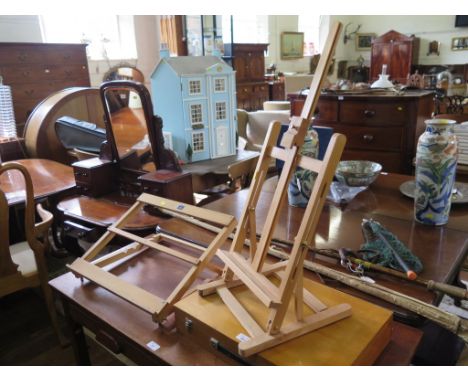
(357, 173)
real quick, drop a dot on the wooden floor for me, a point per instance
(27, 338)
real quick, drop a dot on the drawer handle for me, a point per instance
(26, 73)
(67, 57)
(368, 137)
(47, 71)
(29, 92)
(68, 72)
(22, 56)
(369, 113)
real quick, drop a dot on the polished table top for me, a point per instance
(48, 178)
(441, 249)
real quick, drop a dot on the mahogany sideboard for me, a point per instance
(381, 127)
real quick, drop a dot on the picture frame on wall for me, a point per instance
(292, 45)
(460, 43)
(364, 41)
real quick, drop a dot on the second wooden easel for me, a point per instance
(254, 272)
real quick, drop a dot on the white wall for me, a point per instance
(426, 28)
(20, 29)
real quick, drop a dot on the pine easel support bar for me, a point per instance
(151, 244)
(186, 209)
(204, 261)
(131, 293)
(132, 249)
(210, 288)
(305, 162)
(252, 327)
(108, 236)
(257, 283)
(296, 329)
(308, 298)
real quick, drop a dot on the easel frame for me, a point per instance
(91, 268)
(253, 272)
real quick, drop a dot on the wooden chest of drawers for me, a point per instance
(380, 128)
(248, 60)
(35, 71)
(95, 177)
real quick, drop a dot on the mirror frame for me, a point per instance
(154, 130)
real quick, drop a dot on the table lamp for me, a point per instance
(7, 115)
(383, 81)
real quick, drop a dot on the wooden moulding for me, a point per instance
(91, 268)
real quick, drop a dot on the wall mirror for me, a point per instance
(123, 71)
(134, 133)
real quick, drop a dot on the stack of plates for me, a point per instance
(461, 131)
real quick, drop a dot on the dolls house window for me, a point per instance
(194, 87)
(220, 85)
(198, 142)
(196, 114)
(220, 111)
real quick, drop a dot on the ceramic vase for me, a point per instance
(302, 181)
(436, 161)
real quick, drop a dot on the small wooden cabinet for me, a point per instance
(95, 177)
(248, 60)
(380, 128)
(395, 50)
(34, 71)
(168, 184)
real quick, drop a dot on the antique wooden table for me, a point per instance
(124, 328)
(49, 178)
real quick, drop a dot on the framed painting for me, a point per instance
(292, 45)
(364, 40)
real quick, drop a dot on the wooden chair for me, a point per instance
(23, 265)
(253, 272)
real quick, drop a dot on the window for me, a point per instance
(194, 87)
(310, 25)
(198, 142)
(220, 85)
(196, 114)
(107, 36)
(247, 28)
(220, 110)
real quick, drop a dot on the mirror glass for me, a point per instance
(129, 128)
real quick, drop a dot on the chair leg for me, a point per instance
(48, 297)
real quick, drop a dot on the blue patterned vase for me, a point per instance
(302, 181)
(436, 162)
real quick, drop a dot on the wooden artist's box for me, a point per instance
(356, 340)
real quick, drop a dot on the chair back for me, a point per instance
(7, 266)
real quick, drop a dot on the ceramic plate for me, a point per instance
(461, 196)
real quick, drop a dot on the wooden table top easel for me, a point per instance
(253, 272)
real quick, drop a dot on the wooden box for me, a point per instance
(95, 177)
(357, 340)
(168, 184)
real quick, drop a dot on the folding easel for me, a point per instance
(91, 268)
(253, 272)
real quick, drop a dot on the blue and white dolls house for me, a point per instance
(195, 96)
